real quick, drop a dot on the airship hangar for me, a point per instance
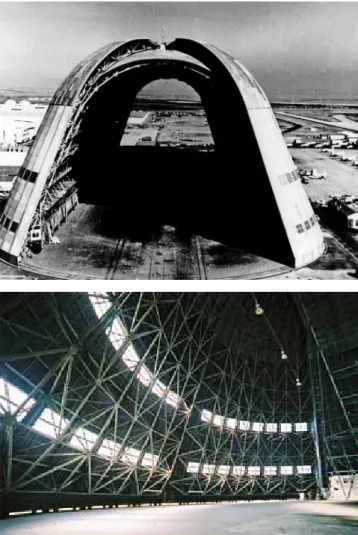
(178, 413)
(246, 193)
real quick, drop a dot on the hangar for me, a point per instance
(253, 188)
(117, 399)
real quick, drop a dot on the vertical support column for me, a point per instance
(318, 423)
(9, 452)
(7, 455)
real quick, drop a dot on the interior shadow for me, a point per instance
(206, 193)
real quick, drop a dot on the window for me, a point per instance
(206, 416)
(270, 470)
(218, 420)
(271, 428)
(223, 470)
(208, 469)
(11, 398)
(159, 389)
(173, 399)
(150, 460)
(244, 425)
(299, 228)
(253, 470)
(100, 303)
(238, 471)
(286, 470)
(116, 333)
(130, 456)
(14, 226)
(286, 428)
(257, 426)
(301, 426)
(193, 468)
(130, 358)
(145, 376)
(304, 469)
(50, 424)
(83, 440)
(32, 175)
(109, 449)
(231, 423)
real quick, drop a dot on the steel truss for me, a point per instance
(334, 389)
(58, 350)
(61, 169)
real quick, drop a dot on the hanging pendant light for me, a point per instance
(283, 355)
(258, 309)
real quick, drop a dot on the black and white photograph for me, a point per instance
(178, 268)
(177, 413)
(178, 140)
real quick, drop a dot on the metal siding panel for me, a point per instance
(44, 142)
(291, 199)
(26, 207)
(48, 146)
(34, 197)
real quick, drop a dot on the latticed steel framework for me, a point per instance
(141, 396)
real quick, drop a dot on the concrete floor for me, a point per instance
(84, 252)
(293, 518)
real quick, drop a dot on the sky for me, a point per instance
(290, 47)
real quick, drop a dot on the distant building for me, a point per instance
(20, 121)
(138, 117)
(337, 137)
(12, 158)
(147, 136)
(347, 207)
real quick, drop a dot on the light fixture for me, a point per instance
(258, 309)
(298, 382)
(283, 355)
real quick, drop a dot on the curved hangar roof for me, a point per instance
(294, 234)
(110, 395)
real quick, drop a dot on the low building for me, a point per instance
(337, 137)
(147, 136)
(19, 122)
(138, 117)
(12, 158)
(345, 206)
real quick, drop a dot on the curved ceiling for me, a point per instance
(137, 386)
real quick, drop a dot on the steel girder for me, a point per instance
(60, 353)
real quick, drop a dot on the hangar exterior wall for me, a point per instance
(29, 186)
(301, 227)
